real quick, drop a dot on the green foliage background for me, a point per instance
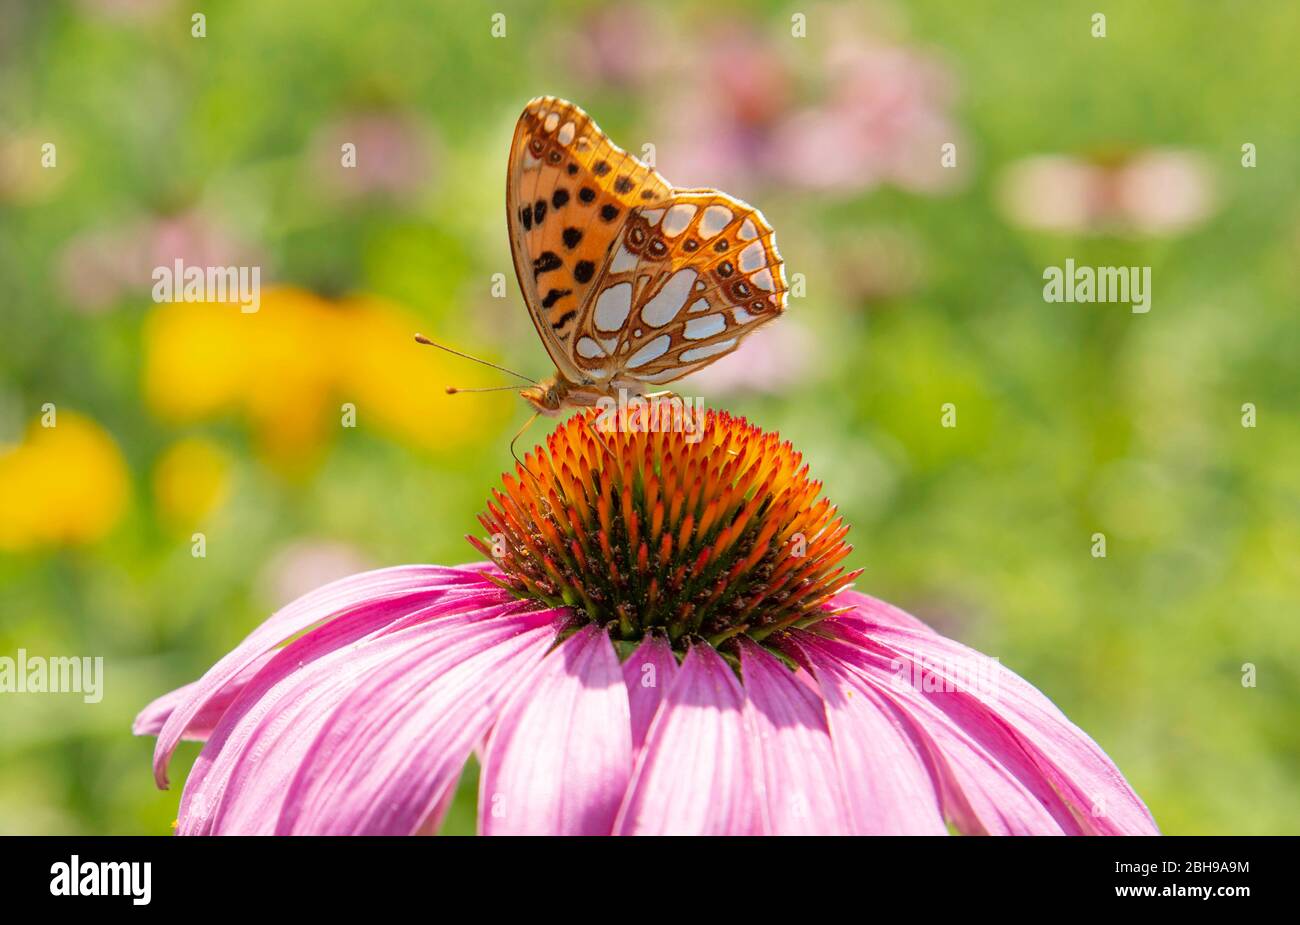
(1073, 419)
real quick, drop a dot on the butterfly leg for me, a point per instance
(599, 439)
(519, 433)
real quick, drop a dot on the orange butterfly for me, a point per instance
(629, 281)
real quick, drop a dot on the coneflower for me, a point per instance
(662, 642)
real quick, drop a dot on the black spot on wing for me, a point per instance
(526, 215)
(539, 211)
(560, 197)
(587, 194)
(571, 237)
(564, 319)
(554, 296)
(609, 211)
(545, 262)
(583, 271)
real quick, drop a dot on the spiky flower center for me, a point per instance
(698, 533)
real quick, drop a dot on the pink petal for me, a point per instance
(421, 583)
(154, 716)
(386, 755)
(560, 755)
(240, 778)
(649, 672)
(697, 773)
(887, 781)
(987, 784)
(801, 781)
(1073, 765)
(871, 611)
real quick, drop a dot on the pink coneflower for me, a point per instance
(1154, 193)
(850, 111)
(772, 360)
(392, 157)
(615, 45)
(100, 267)
(664, 644)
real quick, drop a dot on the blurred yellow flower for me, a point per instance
(190, 480)
(62, 485)
(290, 368)
(400, 386)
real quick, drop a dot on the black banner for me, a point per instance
(131, 875)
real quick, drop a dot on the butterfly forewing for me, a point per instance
(630, 281)
(569, 192)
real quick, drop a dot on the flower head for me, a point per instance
(655, 654)
(702, 536)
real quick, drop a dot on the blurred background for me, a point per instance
(922, 285)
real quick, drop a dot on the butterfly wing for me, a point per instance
(629, 281)
(569, 192)
(685, 283)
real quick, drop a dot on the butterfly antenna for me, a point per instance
(421, 339)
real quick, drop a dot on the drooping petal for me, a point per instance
(560, 756)
(697, 773)
(649, 672)
(152, 718)
(802, 791)
(239, 781)
(419, 583)
(386, 755)
(1069, 761)
(887, 781)
(986, 782)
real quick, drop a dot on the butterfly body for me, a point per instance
(554, 395)
(630, 282)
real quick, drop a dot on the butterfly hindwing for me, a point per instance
(686, 281)
(629, 281)
(569, 193)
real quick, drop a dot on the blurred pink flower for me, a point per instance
(876, 112)
(99, 267)
(619, 45)
(721, 137)
(306, 564)
(770, 360)
(394, 155)
(1155, 192)
(885, 122)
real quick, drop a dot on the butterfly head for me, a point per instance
(547, 397)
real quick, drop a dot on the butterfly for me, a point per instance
(630, 282)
